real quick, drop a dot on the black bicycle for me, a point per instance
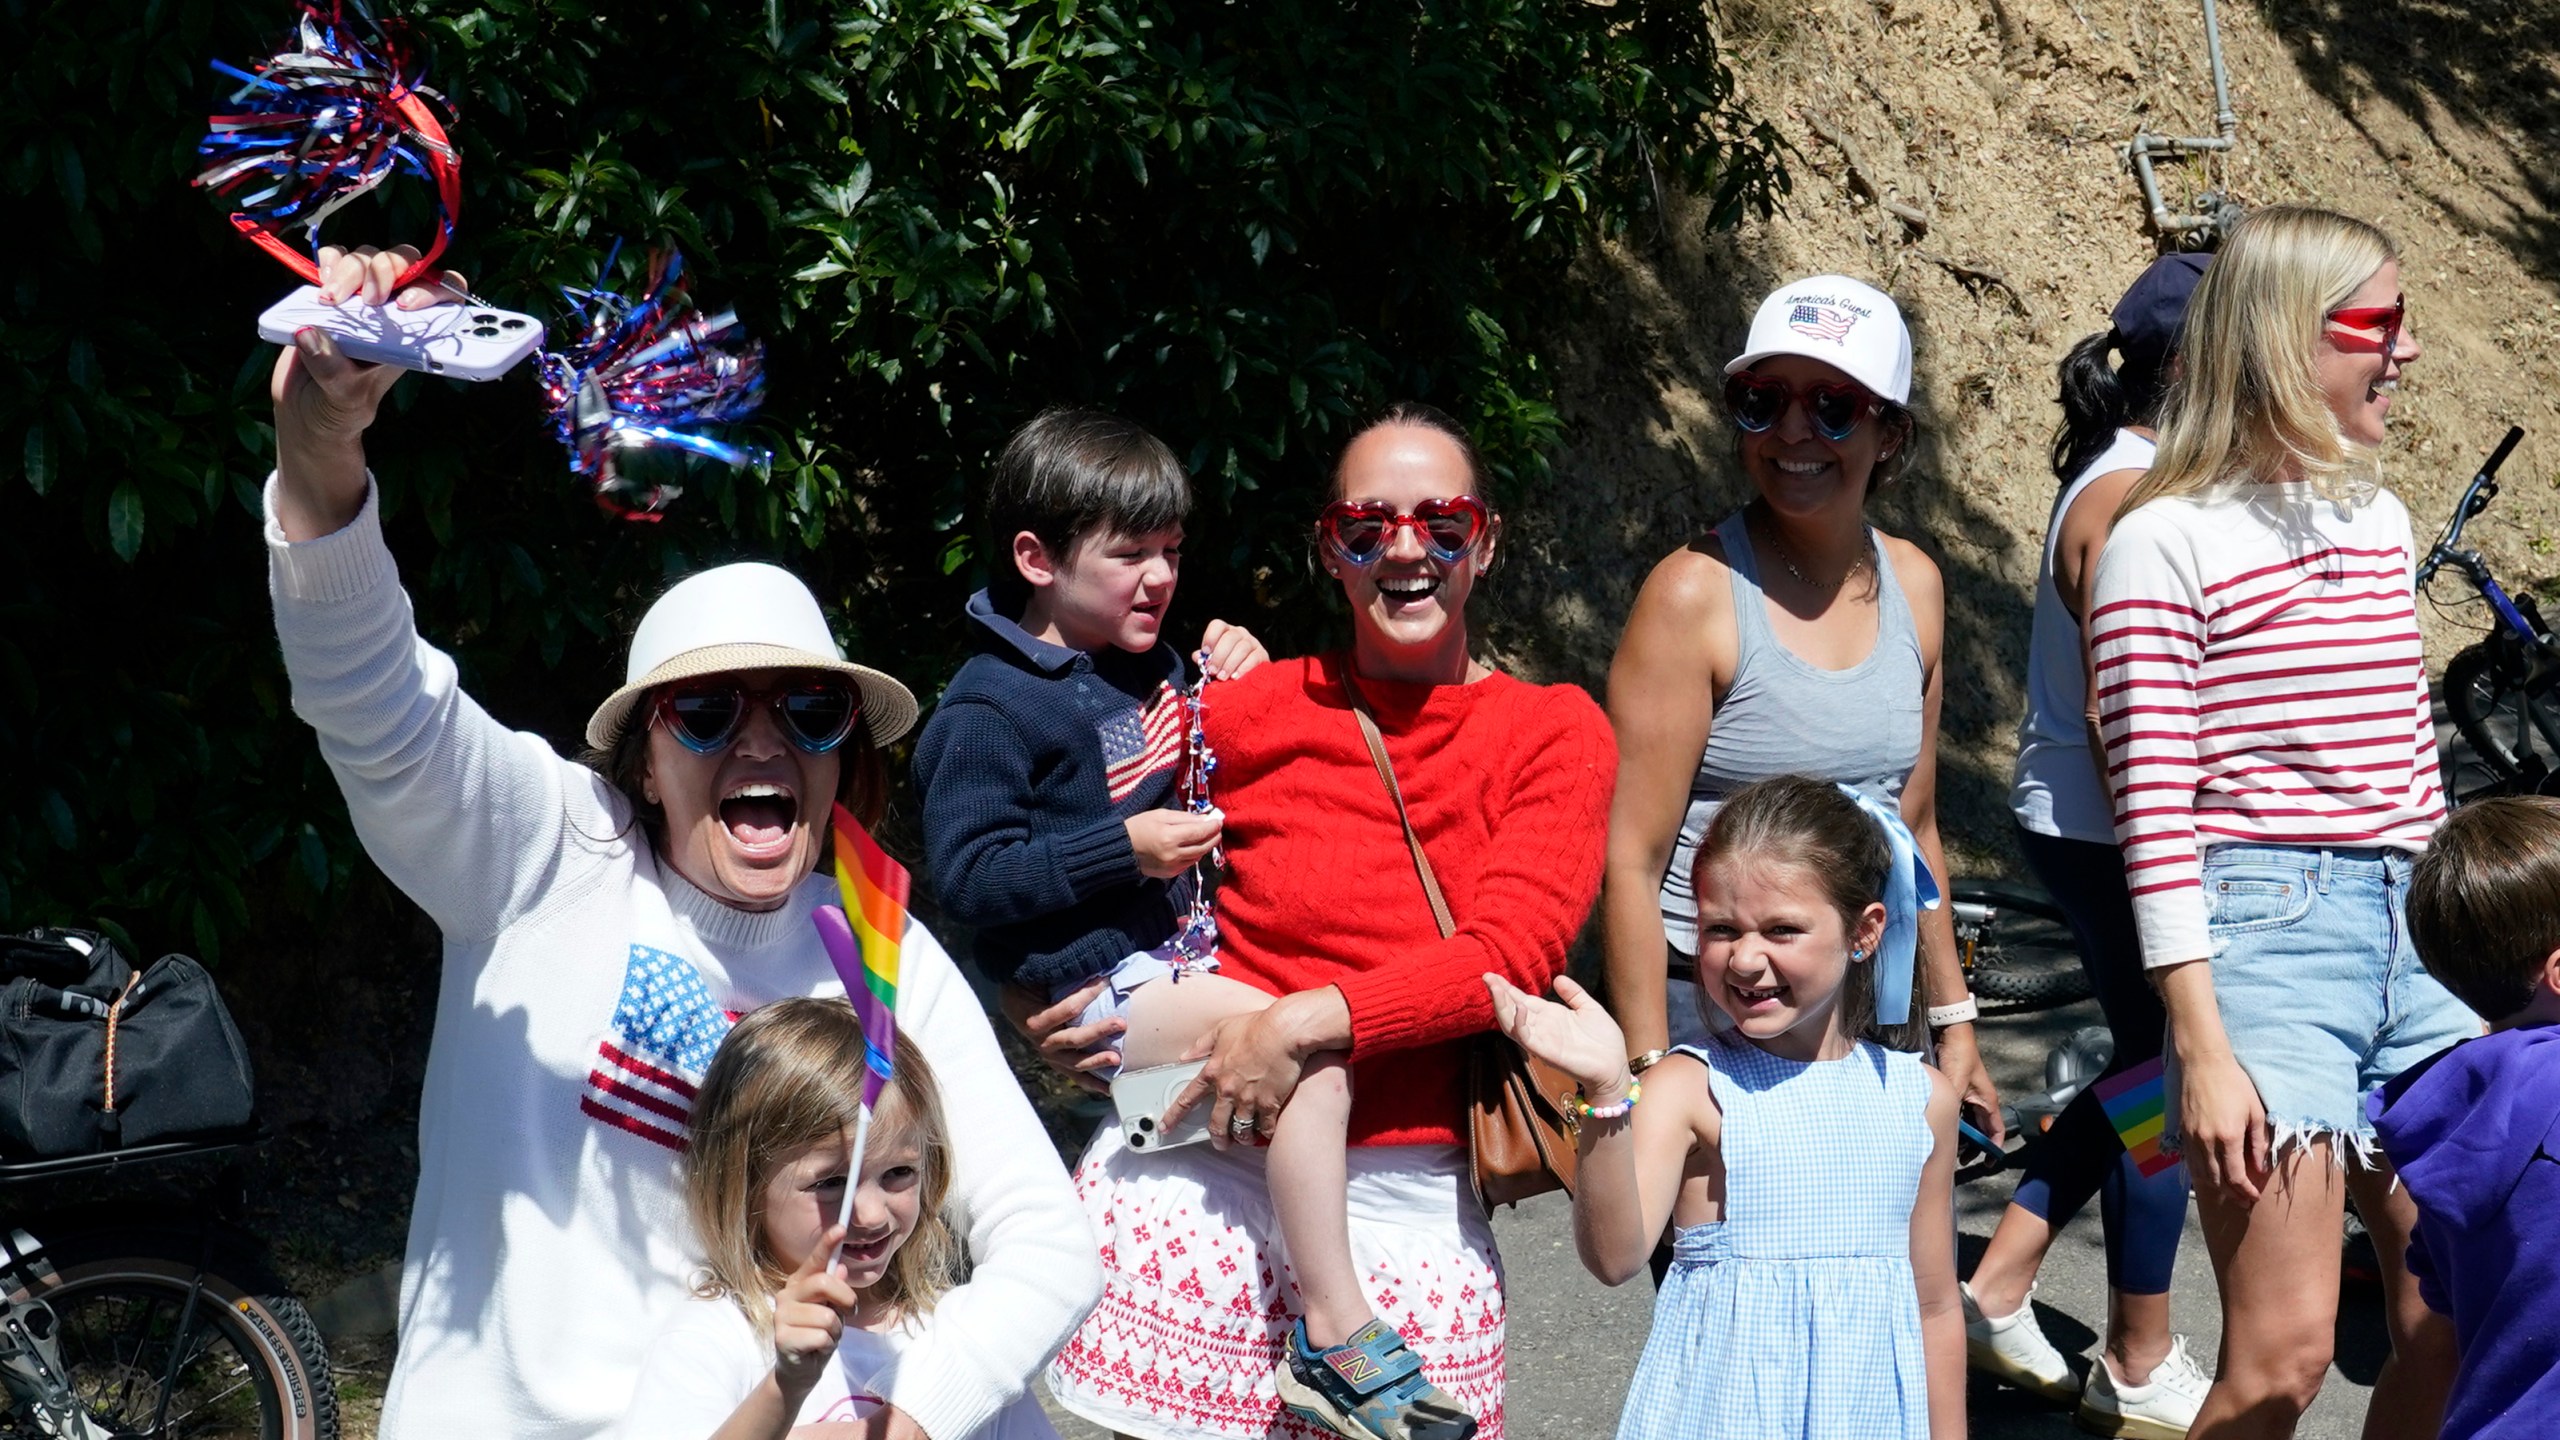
(151, 1322)
(2017, 948)
(2499, 692)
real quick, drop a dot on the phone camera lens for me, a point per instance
(514, 322)
(485, 332)
(483, 317)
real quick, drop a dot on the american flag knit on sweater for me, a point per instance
(2261, 680)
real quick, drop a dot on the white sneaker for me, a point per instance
(2161, 1409)
(2012, 1348)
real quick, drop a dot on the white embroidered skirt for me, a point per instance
(1197, 1298)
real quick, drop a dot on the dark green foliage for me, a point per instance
(1242, 224)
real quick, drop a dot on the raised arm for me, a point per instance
(1662, 688)
(467, 818)
(1631, 1165)
(324, 401)
(1036, 1268)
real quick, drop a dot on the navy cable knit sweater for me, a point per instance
(1031, 766)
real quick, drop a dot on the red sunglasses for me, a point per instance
(1758, 402)
(706, 716)
(1361, 530)
(2389, 319)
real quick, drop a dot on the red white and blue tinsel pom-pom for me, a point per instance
(318, 125)
(650, 374)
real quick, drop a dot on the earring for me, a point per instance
(1858, 952)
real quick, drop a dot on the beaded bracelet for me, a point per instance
(1584, 1110)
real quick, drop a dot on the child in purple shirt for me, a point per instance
(2475, 1131)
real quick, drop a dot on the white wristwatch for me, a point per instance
(1959, 1013)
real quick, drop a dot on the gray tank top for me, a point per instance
(1783, 715)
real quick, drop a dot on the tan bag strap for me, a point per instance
(1395, 792)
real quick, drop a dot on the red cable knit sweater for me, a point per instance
(1508, 784)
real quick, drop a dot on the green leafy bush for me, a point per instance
(1243, 224)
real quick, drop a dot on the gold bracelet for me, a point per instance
(1646, 1061)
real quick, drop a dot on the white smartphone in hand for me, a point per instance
(467, 341)
(1141, 1097)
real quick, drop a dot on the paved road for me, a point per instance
(1573, 1341)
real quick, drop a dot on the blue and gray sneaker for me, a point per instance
(1369, 1388)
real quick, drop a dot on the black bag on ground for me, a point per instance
(95, 1057)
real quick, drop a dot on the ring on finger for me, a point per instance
(1241, 1125)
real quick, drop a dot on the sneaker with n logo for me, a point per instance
(1370, 1387)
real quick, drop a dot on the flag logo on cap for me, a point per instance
(1822, 322)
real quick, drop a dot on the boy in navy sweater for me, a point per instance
(1049, 769)
(2475, 1131)
(1048, 775)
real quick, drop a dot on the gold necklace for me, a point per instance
(1856, 562)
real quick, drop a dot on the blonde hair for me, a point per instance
(2247, 404)
(789, 1077)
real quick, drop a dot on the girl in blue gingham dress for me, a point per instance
(1807, 1168)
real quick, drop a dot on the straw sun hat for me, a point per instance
(743, 617)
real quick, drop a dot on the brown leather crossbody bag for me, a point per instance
(1520, 1139)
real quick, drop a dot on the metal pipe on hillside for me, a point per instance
(2139, 152)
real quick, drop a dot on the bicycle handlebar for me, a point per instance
(2472, 503)
(2498, 456)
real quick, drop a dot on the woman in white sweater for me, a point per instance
(600, 934)
(2262, 696)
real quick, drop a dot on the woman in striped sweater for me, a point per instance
(2263, 699)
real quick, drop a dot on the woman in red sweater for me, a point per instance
(1508, 787)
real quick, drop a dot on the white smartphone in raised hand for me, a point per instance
(1141, 1097)
(466, 341)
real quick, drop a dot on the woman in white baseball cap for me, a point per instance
(602, 928)
(1794, 638)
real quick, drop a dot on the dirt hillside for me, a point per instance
(1996, 121)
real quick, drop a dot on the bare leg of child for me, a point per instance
(1308, 1166)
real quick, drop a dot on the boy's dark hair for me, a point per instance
(1809, 823)
(2484, 901)
(1067, 474)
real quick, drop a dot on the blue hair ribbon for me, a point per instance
(1909, 888)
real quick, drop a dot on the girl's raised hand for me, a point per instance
(1577, 1037)
(808, 1318)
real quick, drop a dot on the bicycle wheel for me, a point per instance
(2480, 697)
(246, 1367)
(2017, 947)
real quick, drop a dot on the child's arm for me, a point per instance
(1933, 1267)
(808, 1320)
(1630, 1167)
(988, 866)
(1227, 651)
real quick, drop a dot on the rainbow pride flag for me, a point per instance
(862, 939)
(2136, 1103)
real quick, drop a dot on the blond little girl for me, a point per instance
(794, 1320)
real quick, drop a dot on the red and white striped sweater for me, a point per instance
(2261, 681)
